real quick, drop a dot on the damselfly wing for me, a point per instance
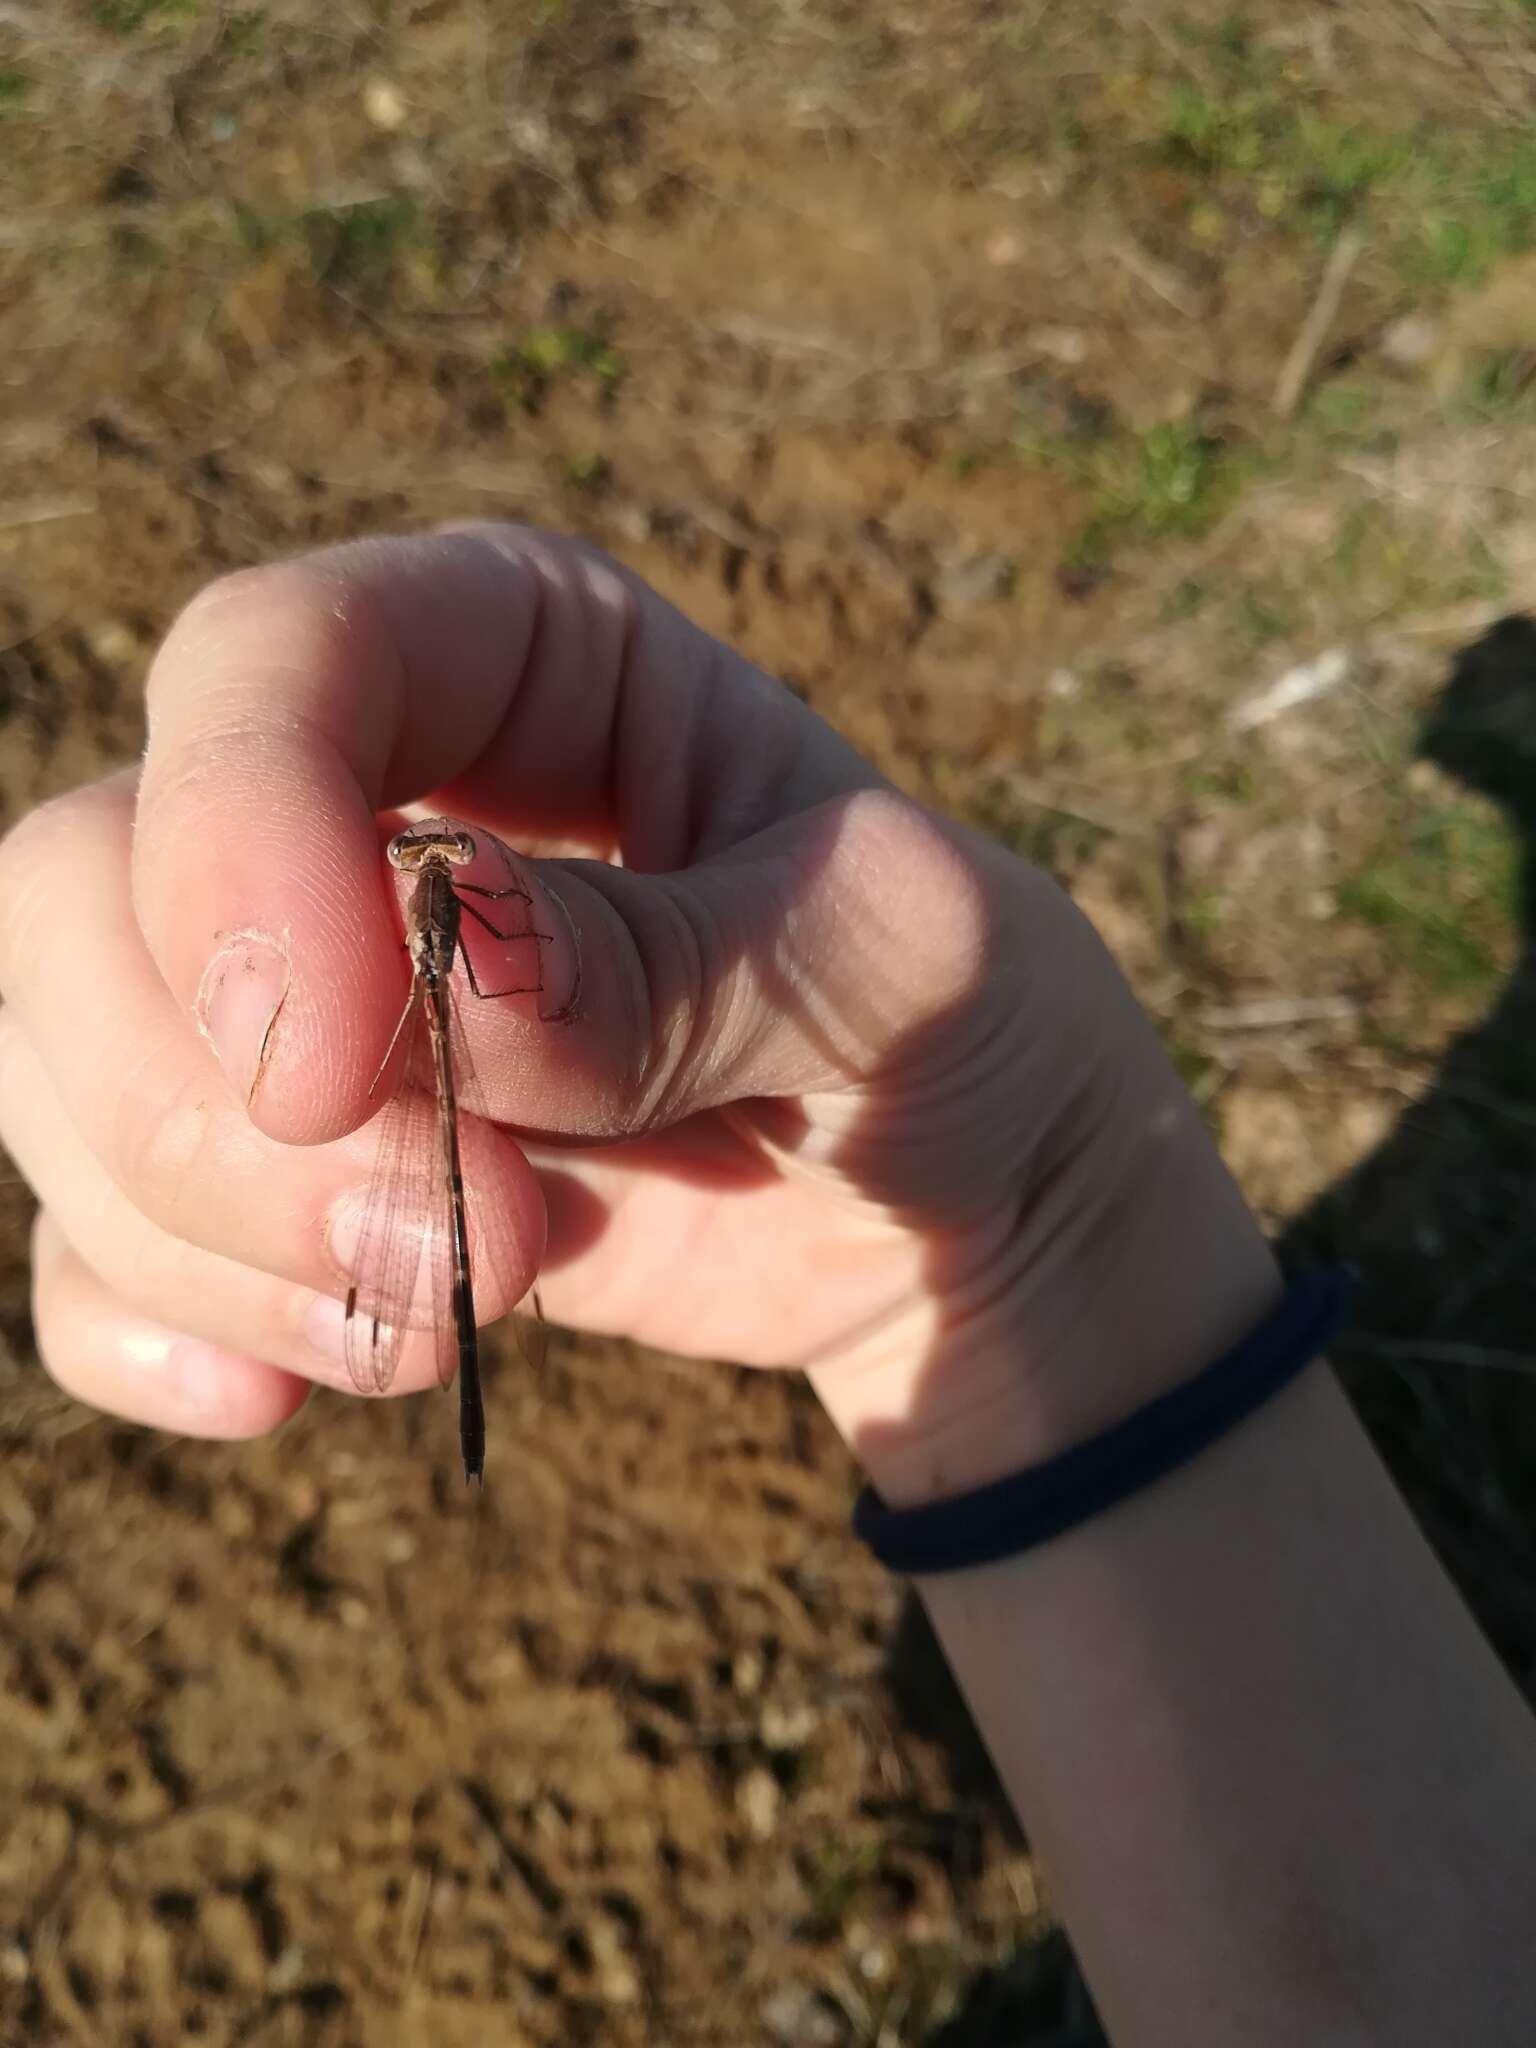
(415, 1265)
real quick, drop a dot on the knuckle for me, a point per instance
(209, 608)
(677, 1019)
(906, 881)
(226, 632)
(144, 1268)
(165, 1147)
(64, 834)
(55, 1330)
(206, 620)
(31, 846)
(18, 1072)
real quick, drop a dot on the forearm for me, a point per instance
(1280, 1785)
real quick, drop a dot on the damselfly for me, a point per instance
(414, 1217)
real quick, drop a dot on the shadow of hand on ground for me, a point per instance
(1440, 1219)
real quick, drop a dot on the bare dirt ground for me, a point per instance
(1117, 420)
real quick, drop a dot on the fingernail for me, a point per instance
(195, 1372)
(238, 1004)
(343, 1241)
(345, 1231)
(200, 1374)
(324, 1324)
(343, 1228)
(562, 981)
(147, 1345)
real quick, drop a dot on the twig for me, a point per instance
(1299, 685)
(39, 511)
(1411, 1351)
(1040, 797)
(1487, 1098)
(1183, 56)
(418, 1903)
(1161, 279)
(1277, 1013)
(1300, 362)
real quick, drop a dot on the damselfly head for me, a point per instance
(432, 840)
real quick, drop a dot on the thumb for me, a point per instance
(796, 963)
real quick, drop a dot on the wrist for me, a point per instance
(1119, 1287)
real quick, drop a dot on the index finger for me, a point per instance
(502, 674)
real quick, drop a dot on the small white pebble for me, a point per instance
(788, 1727)
(383, 105)
(1410, 342)
(1061, 344)
(113, 643)
(747, 1673)
(287, 1971)
(757, 1801)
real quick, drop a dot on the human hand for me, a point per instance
(845, 1087)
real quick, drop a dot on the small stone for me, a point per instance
(234, 1516)
(1062, 344)
(798, 2017)
(747, 1673)
(1208, 224)
(618, 1984)
(383, 105)
(1409, 343)
(758, 1800)
(355, 1614)
(787, 1727)
(1004, 247)
(617, 1981)
(976, 579)
(287, 1971)
(531, 133)
(114, 643)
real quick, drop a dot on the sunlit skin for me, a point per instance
(836, 1085)
(821, 1032)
